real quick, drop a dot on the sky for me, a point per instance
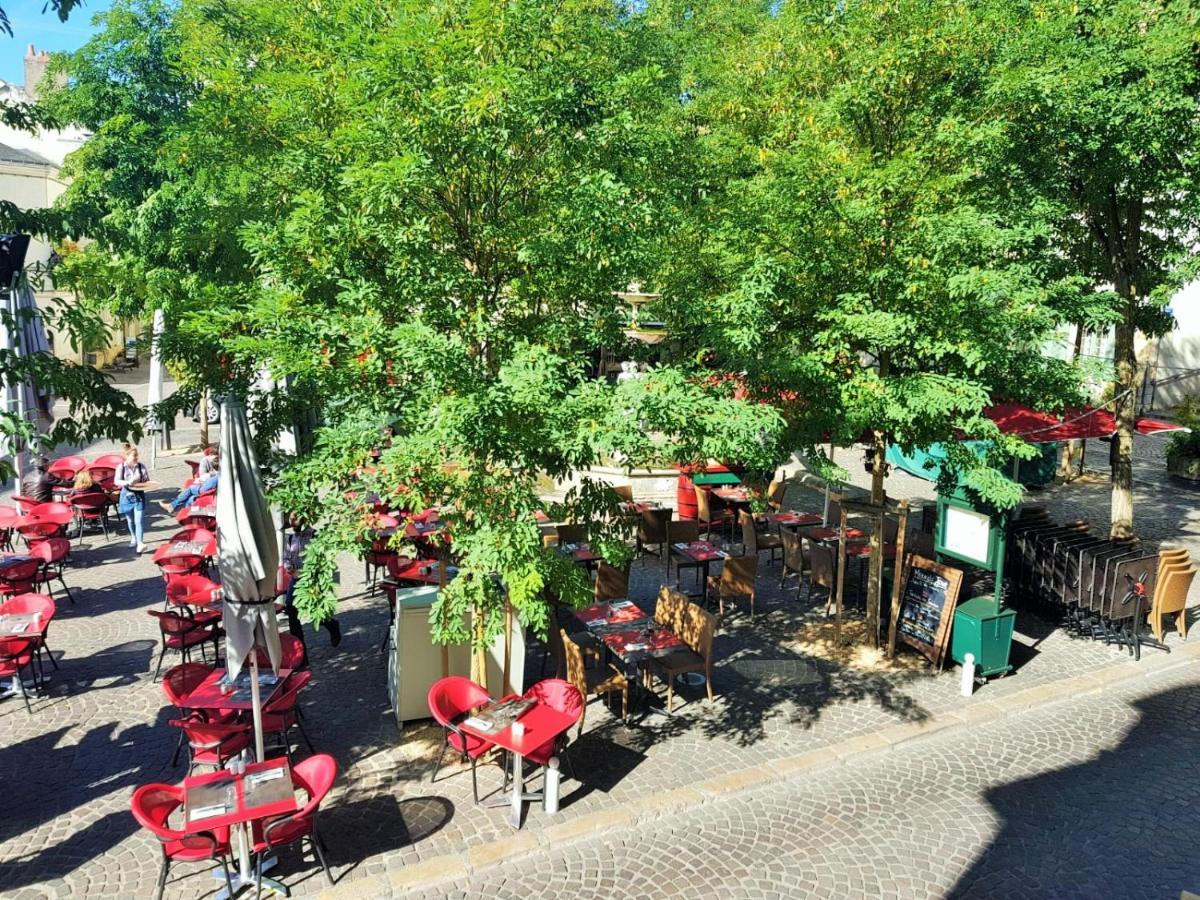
(42, 29)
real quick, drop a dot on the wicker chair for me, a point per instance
(696, 628)
(737, 579)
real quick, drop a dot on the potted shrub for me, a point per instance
(1183, 447)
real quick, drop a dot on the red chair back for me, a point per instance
(287, 699)
(28, 605)
(67, 467)
(113, 460)
(102, 474)
(15, 654)
(171, 564)
(170, 623)
(36, 528)
(182, 680)
(55, 511)
(24, 504)
(454, 695)
(558, 694)
(152, 805)
(90, 505)
(316, 775)
(192, 533)
(19, 577)
(291, 654)
(191, 589)
(51, 550)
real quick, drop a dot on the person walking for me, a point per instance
(293, 560)
(132, 503)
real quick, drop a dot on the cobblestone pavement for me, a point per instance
(101, 730)
(1095, 798)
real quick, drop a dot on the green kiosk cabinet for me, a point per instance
(982, 627)
(985, 633)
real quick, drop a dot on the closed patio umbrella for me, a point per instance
(25, 400)
(248, 556)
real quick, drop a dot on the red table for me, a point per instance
(209, 696)
(411, 571)
(264, 790)
(634, 645)
(582, 554)
(831, 534)
(734, 496)
(542, 724)
(610, 614)
(794, 520)
(697, 554)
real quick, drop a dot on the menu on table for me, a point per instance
(212, 799)
(241, 688)
(13, 624)
(268, 786)
(701, 551)
(189, 548)
(500, 715)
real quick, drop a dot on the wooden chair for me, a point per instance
(611, 583)
(754, 542)
(593, 682)
(696, 629)
(1170, 596)
(776, 491)
(794, 561)
(668, 611)
(652, 531)
(624, 492)
(822, 570)
(571, 534)
(680, 531)
(737, 579)
(710, 516)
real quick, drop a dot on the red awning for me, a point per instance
(1076, 424)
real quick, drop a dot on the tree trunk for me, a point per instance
(1067, 463)
(875, 576)
(203, 413)
(1121, 452)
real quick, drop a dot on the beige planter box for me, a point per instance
(1184, 466)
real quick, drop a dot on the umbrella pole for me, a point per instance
(256, 706)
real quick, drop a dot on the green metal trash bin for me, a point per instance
(980, 630)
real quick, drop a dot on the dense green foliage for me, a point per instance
(417, 213)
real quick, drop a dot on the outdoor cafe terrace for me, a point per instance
(99, 727)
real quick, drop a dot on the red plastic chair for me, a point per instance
(91, 509)
(314, 776)
(53, 552)
(102, 475)
(192, 533)
(24, 504)
(172, 564)
(450, 698)
(291, 653)
(182, 633)
(16, 655)
(191, 590)
(212, 743)
(20, 577)
(67, 468)
(282, 713)
(177, 684)
(30, 604)
(562, 696)
(37, 527)
(114, 460)
(152, 805)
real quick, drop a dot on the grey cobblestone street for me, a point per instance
(916, 822)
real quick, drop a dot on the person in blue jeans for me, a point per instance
(189, 494)
(132, 503)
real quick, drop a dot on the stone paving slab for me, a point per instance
(101, 730)
(1087, 800)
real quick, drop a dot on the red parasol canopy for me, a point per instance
(1077, 424)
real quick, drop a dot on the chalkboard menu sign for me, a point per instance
(927, 607)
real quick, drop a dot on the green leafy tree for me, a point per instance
(1100, 107)
(415, 213)
(848, 248)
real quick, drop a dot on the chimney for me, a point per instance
(35, 71)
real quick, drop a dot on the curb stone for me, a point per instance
(448, 867)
